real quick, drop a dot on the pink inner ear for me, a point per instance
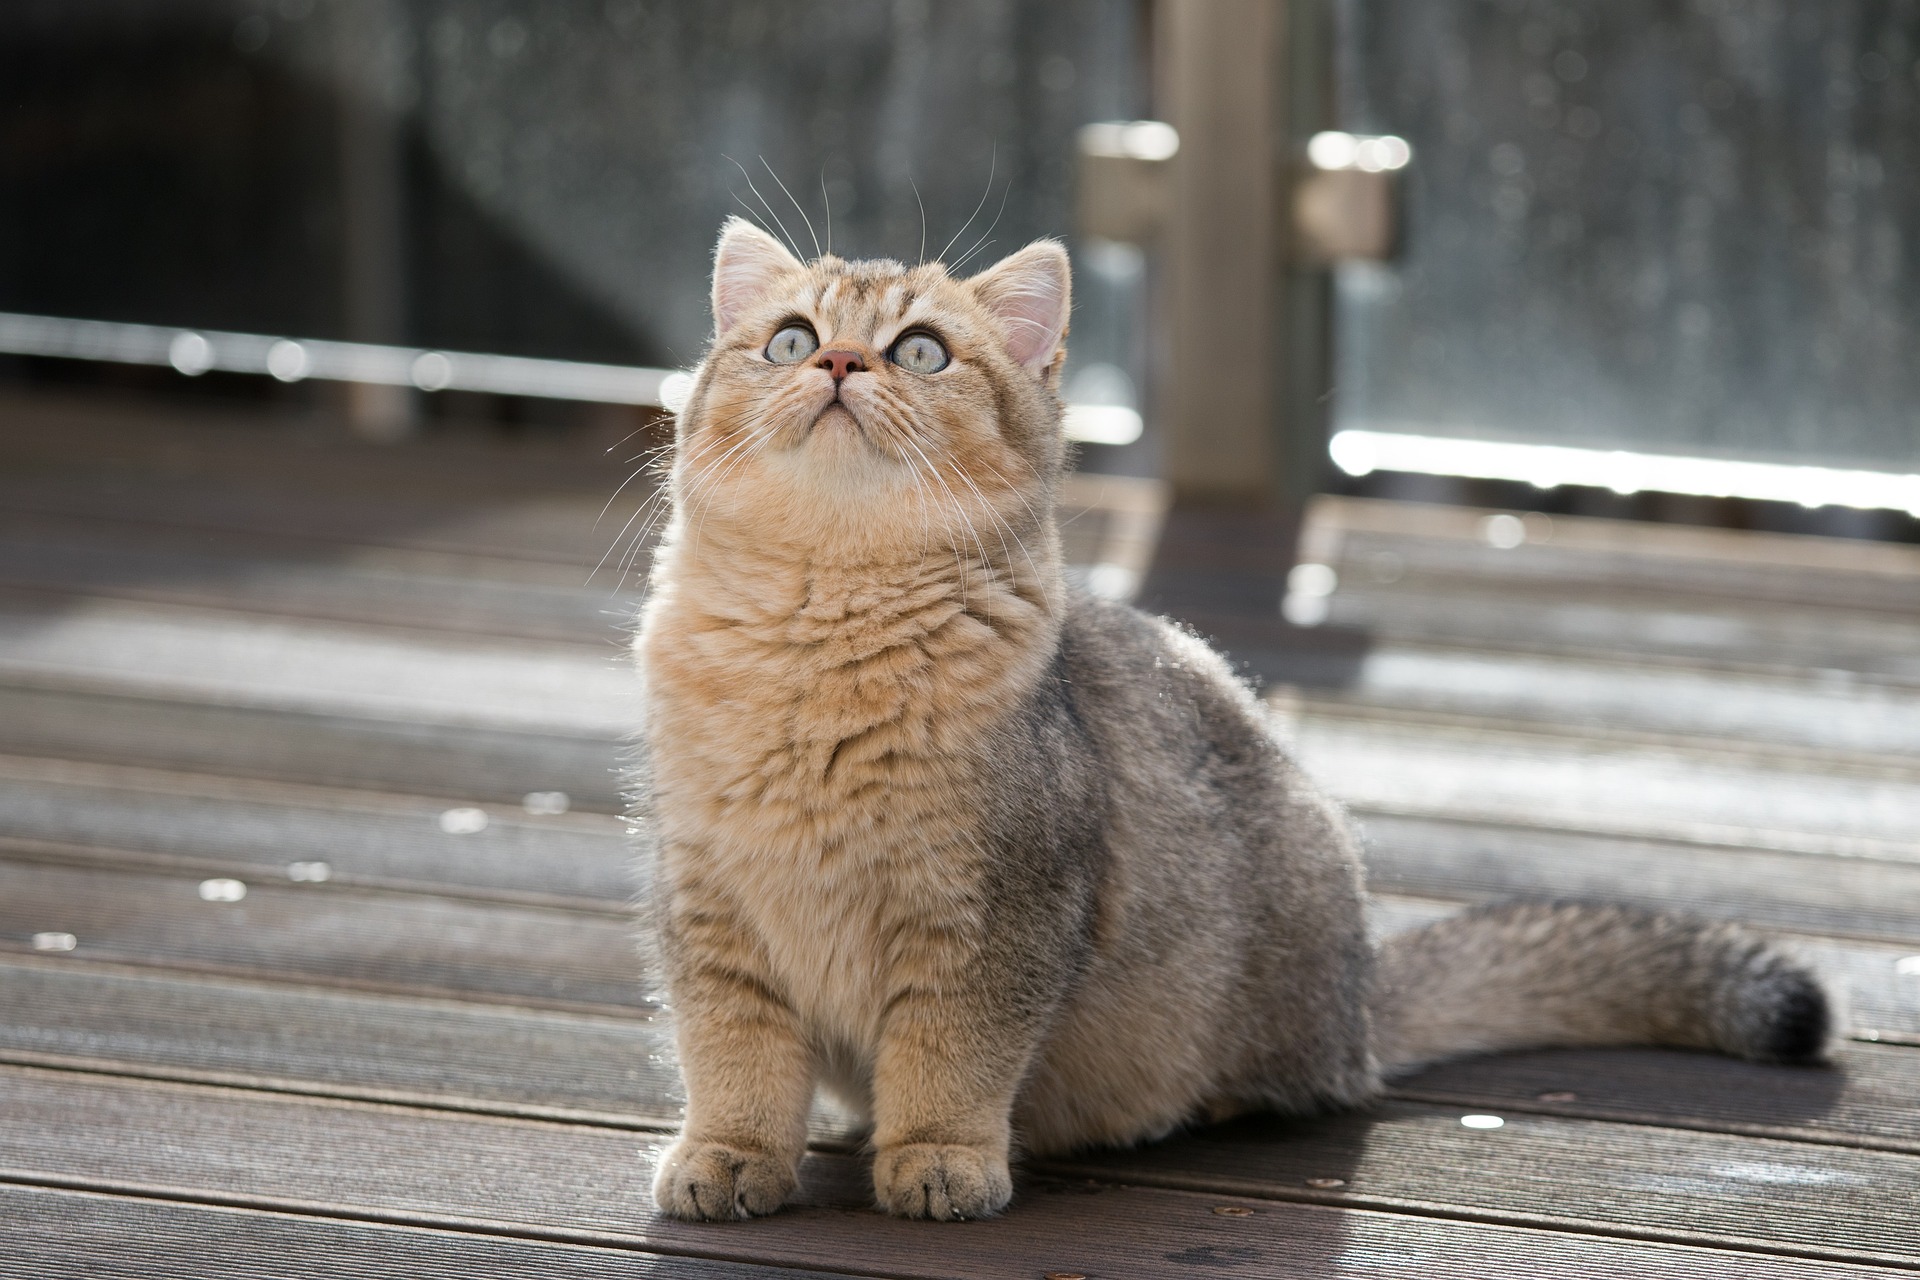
(1029, 293)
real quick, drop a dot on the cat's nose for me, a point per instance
(841, 363)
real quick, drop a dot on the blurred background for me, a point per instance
(1666, 229)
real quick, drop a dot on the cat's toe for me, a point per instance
(932, 1180)
(713, 1182)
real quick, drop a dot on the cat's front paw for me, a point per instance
(936, 1180)
(713, 1182)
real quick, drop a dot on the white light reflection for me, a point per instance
(1544, 466)
(288, 360)
(1102, 424)
(191, 354)
(1334, 150)
(1131, 139)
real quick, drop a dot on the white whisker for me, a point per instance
(796, 204)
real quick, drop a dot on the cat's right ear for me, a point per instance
(747, 264)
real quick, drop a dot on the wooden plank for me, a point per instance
(48, 436)
(537, 528)
(1821, 1200)
(327, 932)
(466, 762)
(387, 592)
(1423, 573)
(1573, 696)
(1627, 550)
(583, 1184)
(241, 661)
(620, 1070)
(614, 1069)
(226, 826)
(109, 1237)
(1787, 637)
(1638, 789)
(1869, 1098)
(1479, 861)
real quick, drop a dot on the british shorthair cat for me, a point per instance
(1003, 866)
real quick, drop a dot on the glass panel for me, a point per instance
(1676, 228)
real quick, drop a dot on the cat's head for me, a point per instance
(876, 403)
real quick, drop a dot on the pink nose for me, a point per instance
(841, 363)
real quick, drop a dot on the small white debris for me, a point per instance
(222, 889)
(1482, 1122)
(1907, 966)
(546, 802)
(54, 942)
(310, 872)
(464, 821)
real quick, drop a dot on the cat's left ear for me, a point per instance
(747, 263)
(1030, 293)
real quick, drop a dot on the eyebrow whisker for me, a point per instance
(763, 203)
(992, 161)
(796, 204)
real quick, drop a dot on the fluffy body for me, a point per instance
(953, 842)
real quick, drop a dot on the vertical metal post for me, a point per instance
(1219, 70)
(368, 48)
(1245, 327)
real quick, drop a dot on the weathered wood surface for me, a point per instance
(308, 931)
(1807, 893)
(471, 764)
(580, 1183)
(247, 828)
(580, 956)
(1867, 1098)
(617, 1068)
(444, 1059)
(131, 1238)
(200, 822)
(111, 1237)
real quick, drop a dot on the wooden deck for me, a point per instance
(235, 651)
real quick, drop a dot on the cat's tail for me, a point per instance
(1549, 975)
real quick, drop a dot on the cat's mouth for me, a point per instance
(838, 417)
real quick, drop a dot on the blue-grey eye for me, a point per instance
(919, 352)
(792, 345)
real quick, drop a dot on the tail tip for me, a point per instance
(1793, 1020)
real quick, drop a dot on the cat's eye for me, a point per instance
(792, 345)
(919, 352)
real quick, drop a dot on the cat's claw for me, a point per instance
(932, 1180)
(713, 1182)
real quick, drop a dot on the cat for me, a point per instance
(1004, 866)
